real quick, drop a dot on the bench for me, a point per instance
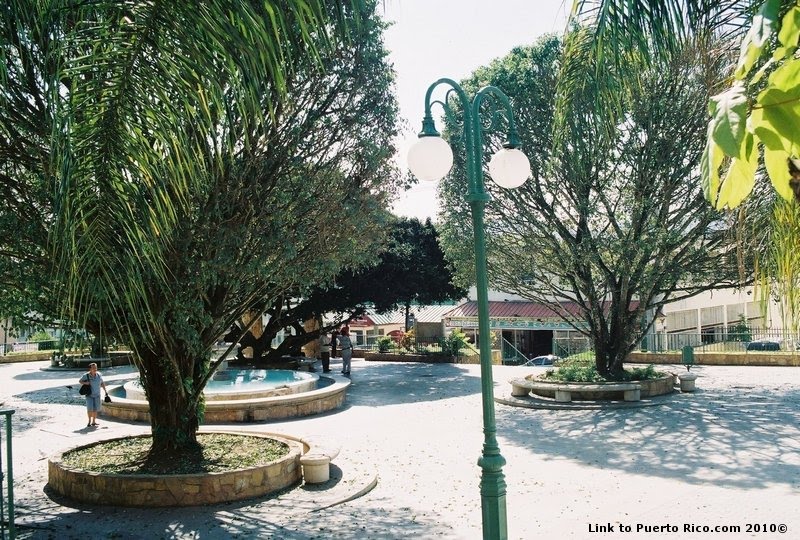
(563, 392)
(317, 463)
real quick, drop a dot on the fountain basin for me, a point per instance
(241, 384)
(330, 394)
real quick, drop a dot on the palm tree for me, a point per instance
(129, 119)
(762, 102)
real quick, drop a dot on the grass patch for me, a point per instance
(216, 452)
(583, 369)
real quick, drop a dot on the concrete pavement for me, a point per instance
(726, 456)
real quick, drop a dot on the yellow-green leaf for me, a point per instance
(729, 115)
(784, 119)
(758, 36)
(787, 76)
(709, 168)
(777, 163)
(740, 178)
(790, 28)
(768, 137)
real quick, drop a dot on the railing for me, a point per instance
(29, 346)
(417, 346)
(51, 345)
(7, 518)
(511, 355)
(721, 341)
(571, 345)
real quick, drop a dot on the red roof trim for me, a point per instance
(522, 310)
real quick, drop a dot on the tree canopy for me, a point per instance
(751, 133)
(410, 269)
(612, 220)
(191, 160)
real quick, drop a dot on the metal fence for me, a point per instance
(718, 340)
(511, 355)
(574, 343)
(415, 346)
(29, 346)
(52, 345)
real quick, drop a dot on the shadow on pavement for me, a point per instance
(726, 437)
(376, 384)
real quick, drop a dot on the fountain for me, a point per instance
(245, 395)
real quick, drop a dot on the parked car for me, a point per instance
(544, 360)
(763, 345)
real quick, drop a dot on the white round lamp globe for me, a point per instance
(509, 168)
(430, 158)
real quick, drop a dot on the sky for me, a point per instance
(431, 39)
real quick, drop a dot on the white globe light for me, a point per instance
(430, 158)
(509, 168)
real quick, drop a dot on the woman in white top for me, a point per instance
(93, 401)
(325, 352)
(347, 350)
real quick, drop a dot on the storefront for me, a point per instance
(520, 328)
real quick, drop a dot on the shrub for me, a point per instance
(384, 344)
(453, 343)
(408, 339)
(40, 336)
(644, 374)
(583, 370)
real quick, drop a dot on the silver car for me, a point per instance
(545, 360)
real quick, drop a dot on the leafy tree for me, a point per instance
(612, 223)
(194, 157)
(410, 269)
(752, 131)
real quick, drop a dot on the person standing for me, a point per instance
(93, 401)
(346, 345)
(334, 342)
(325, 352)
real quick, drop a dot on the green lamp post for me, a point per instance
(431, 158)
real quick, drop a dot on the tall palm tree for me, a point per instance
(125, 117)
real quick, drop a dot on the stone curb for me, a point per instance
(537, 403)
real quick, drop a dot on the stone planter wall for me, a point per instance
(37, 356)
(655, 387)
(177, 490)
(748, 358)
(658, 387)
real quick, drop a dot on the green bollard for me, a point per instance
(687, 356)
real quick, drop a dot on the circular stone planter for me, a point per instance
(649, 388)
(150, 490)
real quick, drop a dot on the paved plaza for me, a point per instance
(725, 457)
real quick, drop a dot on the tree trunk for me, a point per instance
(609, 358)
(311, 328)
(174, 415)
